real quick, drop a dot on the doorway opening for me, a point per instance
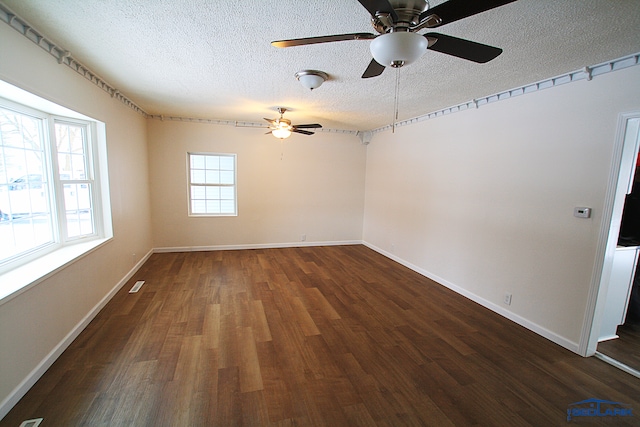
(614, 333)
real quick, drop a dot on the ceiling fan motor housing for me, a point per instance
(407, 12)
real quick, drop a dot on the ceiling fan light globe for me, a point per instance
(281, 133)
(399, 48)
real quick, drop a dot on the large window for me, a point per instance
(48, 185)
(212, 184)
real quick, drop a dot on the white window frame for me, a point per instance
(91, 164)
(191, 185)
(25, 270)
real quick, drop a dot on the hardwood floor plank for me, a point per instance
(319, 302)
(250, 377)
(211, 326)
(229, 405)
(302, 316)
(259, 322)
(254, 409)
(311, 336)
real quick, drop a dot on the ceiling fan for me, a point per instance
(397, 42)
(282, 128)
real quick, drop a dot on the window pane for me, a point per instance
(226, 163)
(213, 192)
(226, 177)
(197, 192)
(212, 162)
(197, 162)
(198, 206)
(212, 177)
(227, 206)
(79, 223)
(70, 142)
(215, 176)
(213, 206)
(25, 204)
(20, 235)
(227, 193)
(78, 166)
(77, 203)
(197, 176)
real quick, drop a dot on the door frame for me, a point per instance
(625, 155)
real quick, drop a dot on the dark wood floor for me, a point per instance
(326, 336)
(625, 349)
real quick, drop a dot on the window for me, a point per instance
(212, 184)
(49, 194)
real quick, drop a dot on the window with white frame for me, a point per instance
(48, 185)
(212, 184)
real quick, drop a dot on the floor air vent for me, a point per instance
(31, 423)
(136, 287)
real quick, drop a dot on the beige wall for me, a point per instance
(483, 199)
(36, 322)
(306, 185)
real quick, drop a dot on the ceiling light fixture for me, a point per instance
(398, 48)
(282, 132)
(311, 79)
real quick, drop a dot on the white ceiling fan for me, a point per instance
(397, 23)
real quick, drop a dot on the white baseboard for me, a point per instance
(24, 386)
(540, 330)
(255, 246)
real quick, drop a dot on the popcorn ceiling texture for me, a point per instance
(213, 59)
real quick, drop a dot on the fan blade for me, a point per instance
(304, 132)
(323, 39)
(373, 70)
(269, 120)
(382, 6)
(308, 126)
(454, 10)
(267, 133)
(461, 48)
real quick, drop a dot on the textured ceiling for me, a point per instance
(213, 59)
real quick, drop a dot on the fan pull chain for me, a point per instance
(395, 101)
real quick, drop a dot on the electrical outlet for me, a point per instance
(507, 299)
(303, 237)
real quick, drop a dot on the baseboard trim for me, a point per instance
(254, 246)
(14, 397)
(540, 330)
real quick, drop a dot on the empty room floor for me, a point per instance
(318, 336)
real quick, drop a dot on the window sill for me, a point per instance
(23, 278)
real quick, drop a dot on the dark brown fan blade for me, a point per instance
(383, 6)
(308, 126)
(461, 48)
(323, 39)
(454, 10)
(269, 120)
(373, 70)
(304, 132)
(267, 133)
